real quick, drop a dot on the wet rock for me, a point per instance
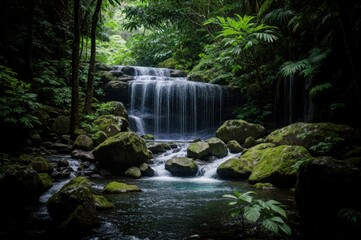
(133, 172)
(182, 166)
(198, 150)
(83, 142)
(234, 146)
(217, 147)
(101, 203)
(146, 170)
(235, 168)
(117, 187)
(41, 165)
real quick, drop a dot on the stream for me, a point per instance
(167, 208)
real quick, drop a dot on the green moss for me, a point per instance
(46, 180)
(169, 63)
(148, 137)
(77, 181)
(275, 165)
(41, 165)
(198, 150)
(101, 203)
(234, 146)
(99, 137)
(235, 168)
(217, 147)
(117, 187)
(263, 186)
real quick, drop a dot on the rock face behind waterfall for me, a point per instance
(121, 151)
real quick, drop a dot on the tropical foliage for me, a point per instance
(270, 214)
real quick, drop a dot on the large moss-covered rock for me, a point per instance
(327, 188)
(41, 165)
(20, 185)
(239, 130)
(61, 125)
(114, 108)
(318, 138)
(122, 151)
(275, 165)
(110, 124)
(198, 150)
(117, 187)
(146, 170)
(217, 147)
(73, 206)
(182, 166)
(235, 168)
(83, 142)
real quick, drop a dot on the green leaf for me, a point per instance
(270, 225)
(252, 213)
(229, 196)
(285, 228)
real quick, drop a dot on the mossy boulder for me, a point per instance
(61, 125)
(99, 137)
(326, 187)
(319, 138)
(251, 142)
(198, 150)
(113, 108)
(133, 172)
(117, 187)
(83, 142)
(101, 203)
(234, 147)
(46, 180)
(217, 147)
(20, 185)
(110, 124)
(239, 130)
(148, 137)
(156, 148)
(264, 186)
(182, 166)
(122, 151)
(275, 165)
(73, 206)
(41, 165)
(235, 168)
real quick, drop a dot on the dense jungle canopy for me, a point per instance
(260, 46)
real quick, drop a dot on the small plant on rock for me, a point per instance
(269, 214)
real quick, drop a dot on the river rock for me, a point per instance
(326, 191)
(182, 166)
(117, 187)
(41, 165)
(251, 142)
(133, 172)
(83, 142)
(217, 147)
(156, 148)
(129, 71)
(20, 185)
(73, 206)
(99, 137)
(274, 164)
(234, 147)
(46, 180)
(319, 138)
(235, 168)
(198, 150)
(239, 130)
(110, 124)
(101, 203)
(146, 170)
(122, 151)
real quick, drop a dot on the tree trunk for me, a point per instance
(74, 117)
(29, 43)
(91, 70)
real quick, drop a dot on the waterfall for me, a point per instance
(173, 107)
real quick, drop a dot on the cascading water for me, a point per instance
(174, 107)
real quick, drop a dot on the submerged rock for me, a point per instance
(239, 130)
(182, 166)
(117, 187)
(101, 203)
